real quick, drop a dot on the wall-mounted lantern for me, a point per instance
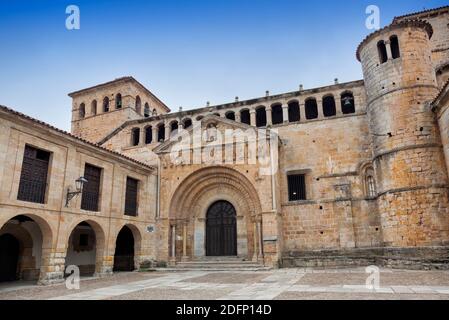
(79, 184)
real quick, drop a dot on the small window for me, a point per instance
(148, 135)
(230, 115)
(394, 43)
(154, 113)
(106, 104)
(161, 133)
(93, 107)
(138, 105)
(382, 49)
(118, 101)
(135, 137)
(296, 187)
(132, 186)
(146, 110)
(82, 110)
(370, 184)
(187, 123)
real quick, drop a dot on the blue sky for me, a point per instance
(186, 52)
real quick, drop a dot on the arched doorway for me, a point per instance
(9, 257)
(82, 249)
(221, 229)
(124, 251)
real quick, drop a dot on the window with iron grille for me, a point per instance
(132, 186)
(91, 190)
(33, 178)
(296, 187)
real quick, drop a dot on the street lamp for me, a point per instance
(79, 184)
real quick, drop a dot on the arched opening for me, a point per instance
(277, 115)
(124, 251)
(174, 127)
(93, 108)
(245, 116)
(370, 183)
(221, 229)
(146, 110)
(138, 105)
(293, 111)
(394, 44)
(261, 117)
(9, 257)
(161, 132)
(21, 249)
(148, 135)
(187, 123)
(199, 118)
(230, 115)
(311, 109)
(135, 137)
(82, 249)
(106, 104)
(329, 108)
(118, 101)
(382, 50)
(154, 112)
(82, 110)
(347, 103)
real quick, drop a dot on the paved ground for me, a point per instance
(267, 285)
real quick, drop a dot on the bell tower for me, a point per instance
(99, 110)
(407, 152)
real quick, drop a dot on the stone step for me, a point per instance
(214, 269)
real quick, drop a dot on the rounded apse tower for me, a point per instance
(411, 175)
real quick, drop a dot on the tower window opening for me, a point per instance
(261, 117)
(135, 137)
(118, 101)
(277, 114)
(347, 103)
(382, 49)
(82, 110)
(329, 108)
(245, 117)
(106, 104)
(293, 112)
(146, 110)
(311, 109)
(394, 43)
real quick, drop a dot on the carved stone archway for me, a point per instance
(189, 205)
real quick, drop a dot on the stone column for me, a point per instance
(388, 47)
(285, 113)
(167, 132)
(302, 112)
(237, 116)
(184, 241)
(252, 114)
(319, 104)
(255, 244)
(269, 116)
(154, 137)
(260, 237)
(173, 243)
(142, 136)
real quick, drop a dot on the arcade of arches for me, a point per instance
(27, 250)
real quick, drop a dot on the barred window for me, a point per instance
(132, 186)
(91, 190)
(33, 178)
(296, 187)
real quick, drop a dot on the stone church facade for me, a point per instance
(348, 174)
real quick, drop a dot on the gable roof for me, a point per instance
(437, 102)
(118, 80)
(76, 139)
(174, 139)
